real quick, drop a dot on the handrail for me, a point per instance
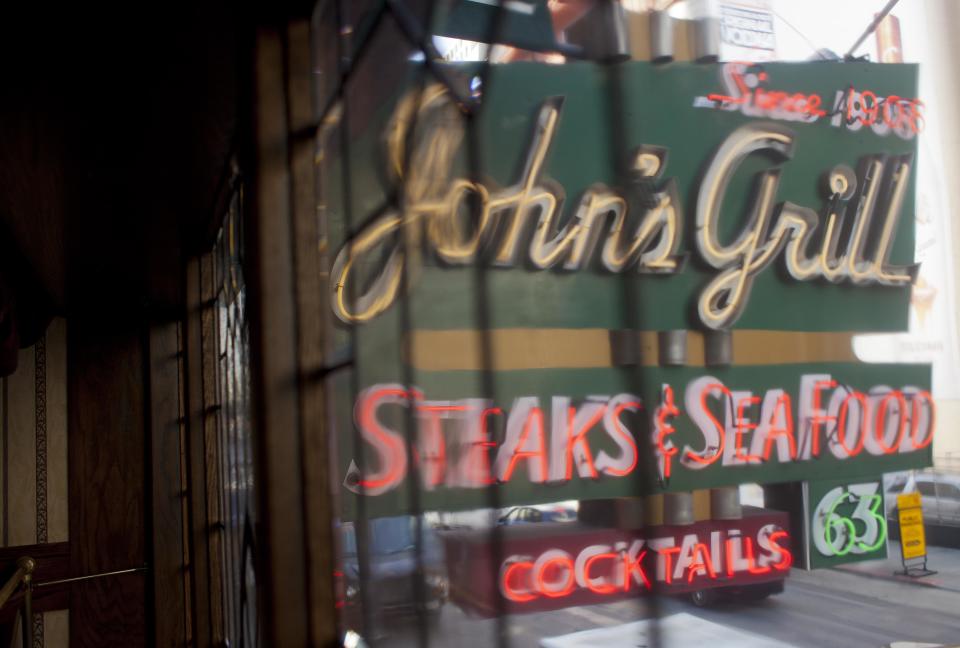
(23, 574)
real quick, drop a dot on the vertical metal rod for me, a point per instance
(630, 285)
(406, 338)
(345, 63)
(872, 26)
(28, 612)
(480, 287)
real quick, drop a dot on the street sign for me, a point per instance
(913, 541)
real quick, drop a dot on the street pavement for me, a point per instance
(849, 607)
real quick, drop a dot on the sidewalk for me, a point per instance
(945, 561)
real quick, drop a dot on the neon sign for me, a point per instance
(459, 444)
(583, 565)
(607, 569)
(862, 532)
(745, 85)
(520, 224)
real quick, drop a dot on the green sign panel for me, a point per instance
(550, 435)
(732, 216)
(614, 203)
(847, 522)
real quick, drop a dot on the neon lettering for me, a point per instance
(388, 444)
(667, 553)
(786, 558)
(751, 562)
(538, 469)
(453, 441)
(435, 200)
(702, 563)
(703, 459)
(842, 423)
(915, 420)
(818, 417)
(662, 428)
(881, 421)
(783, 432)
(575, 438)
(633, 570)
(742, 425)
(627, 461)
(519, 595)
(615, 571)
(559, 562)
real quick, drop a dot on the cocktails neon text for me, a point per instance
(639, 565)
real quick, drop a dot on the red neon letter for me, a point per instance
(626, 435)
(915, 422)
(842, 424)
(666, 409)
(787, 559)
(632, 568)
(722, 433)
(485, 443)
(512, 594)
(535, 417)
(668, 553)
(817, 418)
(568, 585)
(704, 565)
(437, 459)
(813, 106)
(609, 588)
(728, 555)
(574, 437)
(880, 429)
(741, 426)
(782, 402)
(751, 563)
(389, 445)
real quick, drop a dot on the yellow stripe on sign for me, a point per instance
(560, 348)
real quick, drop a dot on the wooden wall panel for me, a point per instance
(311, 334)
(56, 400)
(195, 458)
(21, 478)
(33, 443)
(106, 420)
(56, 629)
(168, 574)
(274, 368)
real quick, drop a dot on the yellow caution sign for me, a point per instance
(909, 500)
(913, 540)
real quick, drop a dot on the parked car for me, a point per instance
(709, 597)
(939, 496)
(940, 500)
(534, 514)
(391, 568)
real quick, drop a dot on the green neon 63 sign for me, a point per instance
(846, 522)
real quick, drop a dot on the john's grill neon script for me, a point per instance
(848, 240)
